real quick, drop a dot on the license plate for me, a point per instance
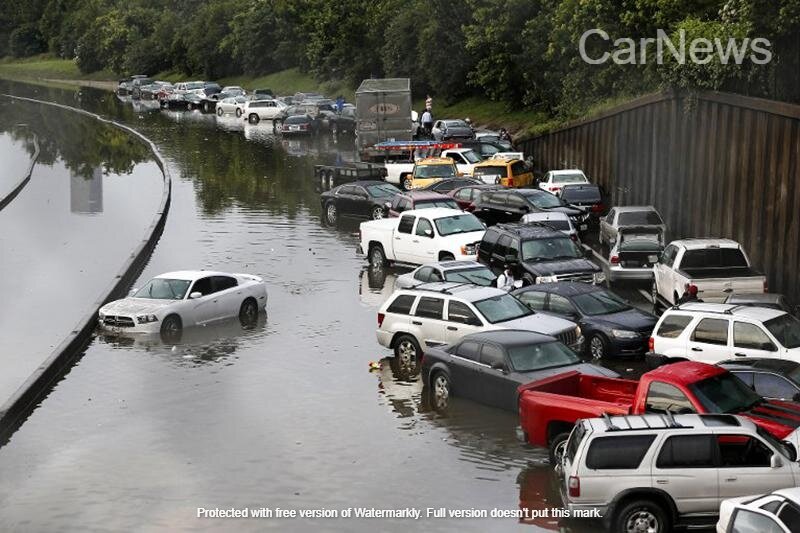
(584, 227)
(294, 128)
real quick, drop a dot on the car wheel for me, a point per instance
(598, 346)
(331, 213)
(408, 183)
(253, 118)
(557, 447)
(408, 352)
(248, 312)
(238, 112)
(527, 280)
(440, 391)
(447, 257)
(171, 328)
(377, 257)
(219, 111)
(377, 212)
(642, 516)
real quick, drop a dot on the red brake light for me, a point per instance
(510, 182)
(574, 486)
(597, 208)
(573, 237)
(553, 189)
(381, 316)
(766, 286)
(651, 344)
(614, 260)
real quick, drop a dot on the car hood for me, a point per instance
(461, 239)
(632, 319)
(566, 266)
(538, 323)
(583, 368)
(133, 306)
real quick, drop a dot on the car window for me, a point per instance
(461, 313)
(430, 308)
(640, 218)
(608, 453)
(673, 326)
(610, 216)
(746, 377)
(469, 350)
(501, 248)
(687, 451)
(402, 304)
(406, 224)
(662, 397)
(203, 286)
(752, 337)
(518, 168)
(424, 228)
(464, 194)
(514, 201)
(745, 521)
(533, 299)
(403, 204)
(668, 255)
(711, 331)
(790, 516)
(530, 357)
(740, 451)
(346, 189)
(772, 386)
(560, 305)
(223, 283)
(423, 274)
(492, 355)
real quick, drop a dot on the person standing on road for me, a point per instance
(505, 280)
(427, 121)
(689, 295)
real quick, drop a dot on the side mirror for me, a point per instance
(195, 295)
(428, 233)
(387, 205)
(775, 461)
(498, 365)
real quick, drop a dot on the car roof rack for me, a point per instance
(667, 418)
(443, 290)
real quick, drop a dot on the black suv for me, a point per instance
(537, 254)
(511, 205)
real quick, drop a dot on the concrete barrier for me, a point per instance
(25, 179)
(14, 411)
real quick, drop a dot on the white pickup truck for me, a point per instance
(464, 158)
(717, 267)
(421, 236)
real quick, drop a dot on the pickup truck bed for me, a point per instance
(724, 274)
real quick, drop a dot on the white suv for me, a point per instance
(647, 473)
(441, 313)
(713, 332)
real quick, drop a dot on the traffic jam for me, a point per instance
(511, 291)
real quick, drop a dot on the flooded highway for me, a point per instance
(283, 413)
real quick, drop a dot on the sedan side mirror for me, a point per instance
(195, 295)
(791, 450)
(498, 365)
(775, 461)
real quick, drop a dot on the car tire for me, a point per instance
(528, 280)
(331, 213)
(220, 112)
(238, 112)
(556, 448)
(440, 390)
(171, 328)
(377, 213)
(248, 312)
(407, 182)
(253, 118)
(377, 257)
(408, 354)
(641, 515)
(446, 257)
(598, 346)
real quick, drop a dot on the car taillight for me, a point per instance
(651, 344)
(552, 189)
(597, 208)
(766, 286)
(381, 316)
(574, 485)
(573, 237)
(510, 182)
(614, 260)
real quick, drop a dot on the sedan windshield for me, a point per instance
(382, 191)
(502, 308)
(544, 200)
(786, 330)
(530, 357)
(550, 249)
(725, 393)
(164, 289)
(458, 224)
(599, 303)
(435, 171)
(479, 276)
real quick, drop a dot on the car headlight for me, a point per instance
(145, 319)
(578, 333)
(468, 249)
(546, 279)
(624, 334)
(599, 277)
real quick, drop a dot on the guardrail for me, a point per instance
(20, 404)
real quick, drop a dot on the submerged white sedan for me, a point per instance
(169, 302)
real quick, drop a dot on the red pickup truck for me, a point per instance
(548, 408)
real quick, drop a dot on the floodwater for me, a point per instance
(286, 413)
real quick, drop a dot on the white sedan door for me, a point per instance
(228, 295)
(203, 308)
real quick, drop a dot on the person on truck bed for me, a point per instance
(689, 295)
(505, 280)
(427, 121)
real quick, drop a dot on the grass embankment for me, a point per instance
(482, 112)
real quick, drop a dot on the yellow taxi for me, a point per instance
(502, 171)
(430, 170)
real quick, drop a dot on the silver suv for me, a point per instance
(434, 314)
(647, 473)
